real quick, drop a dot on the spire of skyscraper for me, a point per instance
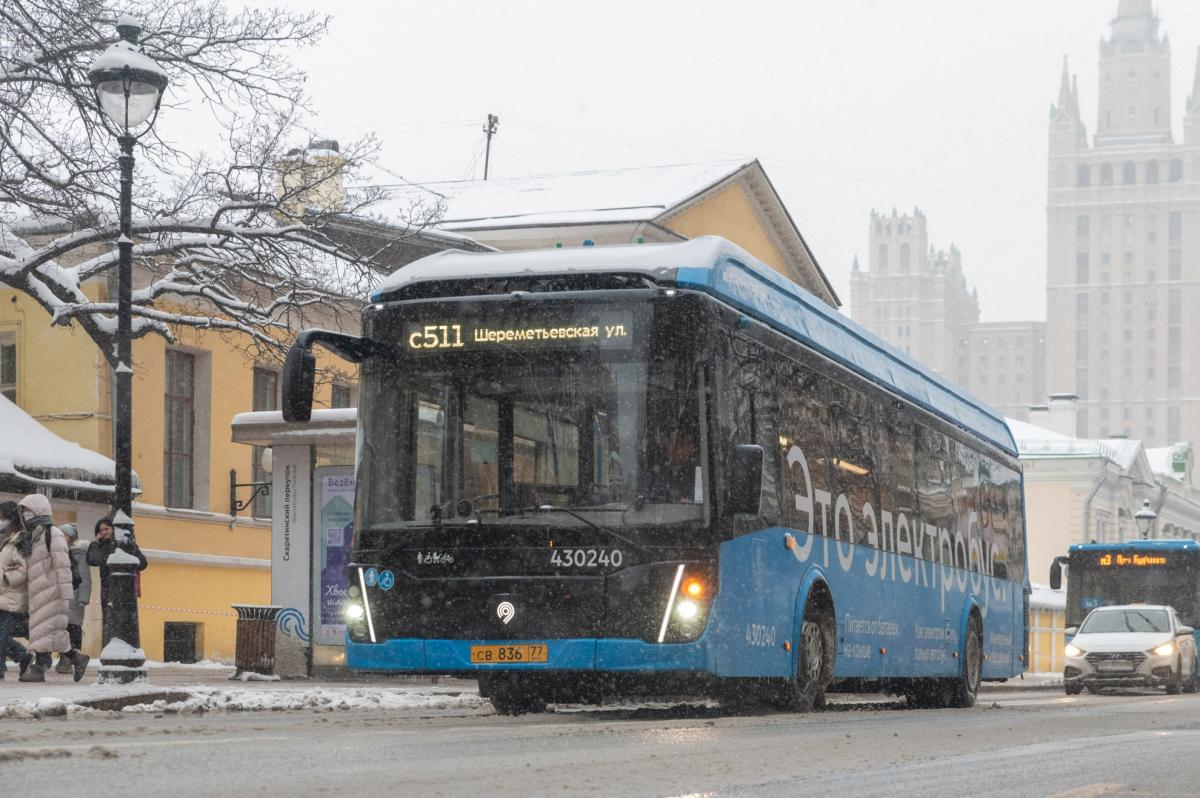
(1134, 8)
(1193, 105)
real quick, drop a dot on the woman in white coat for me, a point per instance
(49, 590)
(13, 603)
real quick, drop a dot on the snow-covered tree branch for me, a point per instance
(241, 238)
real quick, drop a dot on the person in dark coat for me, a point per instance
(97, 554)
(81, 578)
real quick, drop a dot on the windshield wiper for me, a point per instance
(549, 508)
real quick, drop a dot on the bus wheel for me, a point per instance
(814, 668)
(511, 694)
(966, 687)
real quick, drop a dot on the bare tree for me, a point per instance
(230, 241)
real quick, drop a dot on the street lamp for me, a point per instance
(1145, 518)
(129, 87)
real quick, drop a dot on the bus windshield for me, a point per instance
(514, 438)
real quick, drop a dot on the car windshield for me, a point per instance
(577, 436)
(1131, 620)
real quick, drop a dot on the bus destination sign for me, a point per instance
(449, 334)
(1115, 560)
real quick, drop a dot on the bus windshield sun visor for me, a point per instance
(299, 370)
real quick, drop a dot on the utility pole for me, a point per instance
(493, 122)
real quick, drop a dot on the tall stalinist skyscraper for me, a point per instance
(1123, 244)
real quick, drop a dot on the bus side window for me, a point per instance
(802, 430)
(935, 495)
(852, 418)
(755, 415)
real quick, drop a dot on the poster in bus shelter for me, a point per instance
(334, 529)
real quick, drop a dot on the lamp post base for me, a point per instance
(121, 663)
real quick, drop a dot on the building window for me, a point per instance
(179, 437)
(340, 395)
(1175, 265)
(1129, 173)
(1106, 174)
(1172, 424)
(883, 253)
(1081, 268)
(1083, 175)
(266, 397)
(1151, 171)
(1081, 226)
(1175, 229)
(1081, 423)
(266, 389)
(1176, 170)
(8, 367)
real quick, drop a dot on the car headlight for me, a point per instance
(1073, 650)
(1165, 649)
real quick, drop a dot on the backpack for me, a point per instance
(76, 579)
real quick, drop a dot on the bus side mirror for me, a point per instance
(745, 482)
(299, 373)
(300, 367)
(1056, 573)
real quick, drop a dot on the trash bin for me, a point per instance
(255, 650)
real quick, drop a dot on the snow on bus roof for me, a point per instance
(727, 272)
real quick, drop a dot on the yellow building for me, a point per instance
(205, 557)
(185, 394)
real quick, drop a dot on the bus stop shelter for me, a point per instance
(310, 472)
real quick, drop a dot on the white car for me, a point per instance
(1131, 645)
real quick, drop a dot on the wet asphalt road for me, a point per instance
(1012, 743)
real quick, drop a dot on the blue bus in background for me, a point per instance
(666, 469)
(1133, 572)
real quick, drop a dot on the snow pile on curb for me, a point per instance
(32, 710)
(317, 698)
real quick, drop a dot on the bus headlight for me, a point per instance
(1073, 651)
(354, 612)
(1166, 649)
(686, 609)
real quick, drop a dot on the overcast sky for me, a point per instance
(850, 104)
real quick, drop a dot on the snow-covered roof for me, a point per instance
(1035, 441)
(34, 455)
(596, 197)
(727, 272)
(1043, 597)
(1024, 431)
(1163, 459)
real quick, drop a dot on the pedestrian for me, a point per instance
(97, 554)
(81, 580)
(13, 597)
(49, 591)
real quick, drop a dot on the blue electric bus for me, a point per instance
(666, 469)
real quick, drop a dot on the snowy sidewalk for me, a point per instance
(208, 686)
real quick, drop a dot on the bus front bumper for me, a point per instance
(416, 655)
